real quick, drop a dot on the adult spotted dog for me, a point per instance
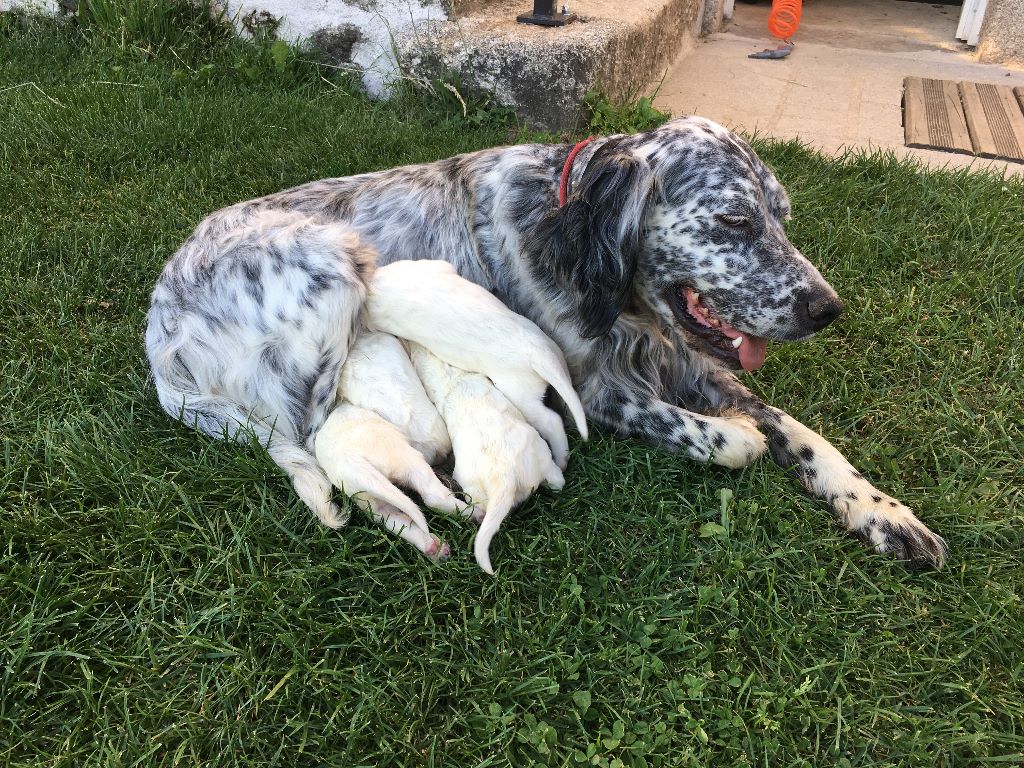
(664, 268)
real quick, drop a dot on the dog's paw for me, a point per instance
(437, 551)
(735, 441)
(892, 529)
(332, 516)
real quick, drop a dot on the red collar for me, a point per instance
(563, 186)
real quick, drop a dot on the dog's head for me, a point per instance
(685, 222)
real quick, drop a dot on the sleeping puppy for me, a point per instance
(379, 377)
(362, 453)
(463, 324)
(499, 458)
(385, 429)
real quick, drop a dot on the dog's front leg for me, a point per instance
(731, 441)
(878, 519)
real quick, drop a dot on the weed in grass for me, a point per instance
(629, 115)
(152, 26)
(453, 104)
(165, 600)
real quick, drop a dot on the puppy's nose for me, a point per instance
(818, 310)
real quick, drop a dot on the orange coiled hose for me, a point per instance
(784, 19)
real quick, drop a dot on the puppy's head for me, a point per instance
(685, 222)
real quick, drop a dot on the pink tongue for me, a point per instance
(752, 352)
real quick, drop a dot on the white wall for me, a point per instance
(378, 22)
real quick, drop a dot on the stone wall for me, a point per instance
(621, 48)
(352, 33)
(47, 6)
(1002, 34)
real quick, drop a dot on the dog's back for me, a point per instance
(248, 327)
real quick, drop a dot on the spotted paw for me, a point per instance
(892, 529)
(736, 441)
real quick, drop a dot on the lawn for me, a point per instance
(166, 600)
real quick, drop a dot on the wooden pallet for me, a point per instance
(970, 118)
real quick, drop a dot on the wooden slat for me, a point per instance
(933, 117)
(994, 119)
(1005, 120)
(981, 134)
(1019, 91)
(955, 113)
(915, 118)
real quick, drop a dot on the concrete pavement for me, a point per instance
(842, 85)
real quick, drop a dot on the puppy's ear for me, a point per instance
(590, 245)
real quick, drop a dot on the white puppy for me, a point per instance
(428, 303)
(379, 377)
(499, 458)
(362, 453)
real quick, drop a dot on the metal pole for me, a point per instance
(544, 14)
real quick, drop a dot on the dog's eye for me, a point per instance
(736, 222)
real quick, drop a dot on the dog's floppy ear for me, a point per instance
(590, 245)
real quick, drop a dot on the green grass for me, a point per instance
(165, 600)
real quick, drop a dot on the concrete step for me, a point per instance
(616, 46)
(462, 8)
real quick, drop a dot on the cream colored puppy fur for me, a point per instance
(463, 324)
(499, 458)
(362, 453)
(379, 377)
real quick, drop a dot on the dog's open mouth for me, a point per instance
(739, 349)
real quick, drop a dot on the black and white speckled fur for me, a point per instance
(251, 318)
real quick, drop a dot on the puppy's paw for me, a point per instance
(561, 460)
(443, 502)
(554, 479)
(473, 511)
(735, 441)
(332, 516)
(892, 529)
(437, 551)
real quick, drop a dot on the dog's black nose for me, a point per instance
(818, 310)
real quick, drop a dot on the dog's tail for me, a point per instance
(498, 507)
(552, 368)
(223, 418)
